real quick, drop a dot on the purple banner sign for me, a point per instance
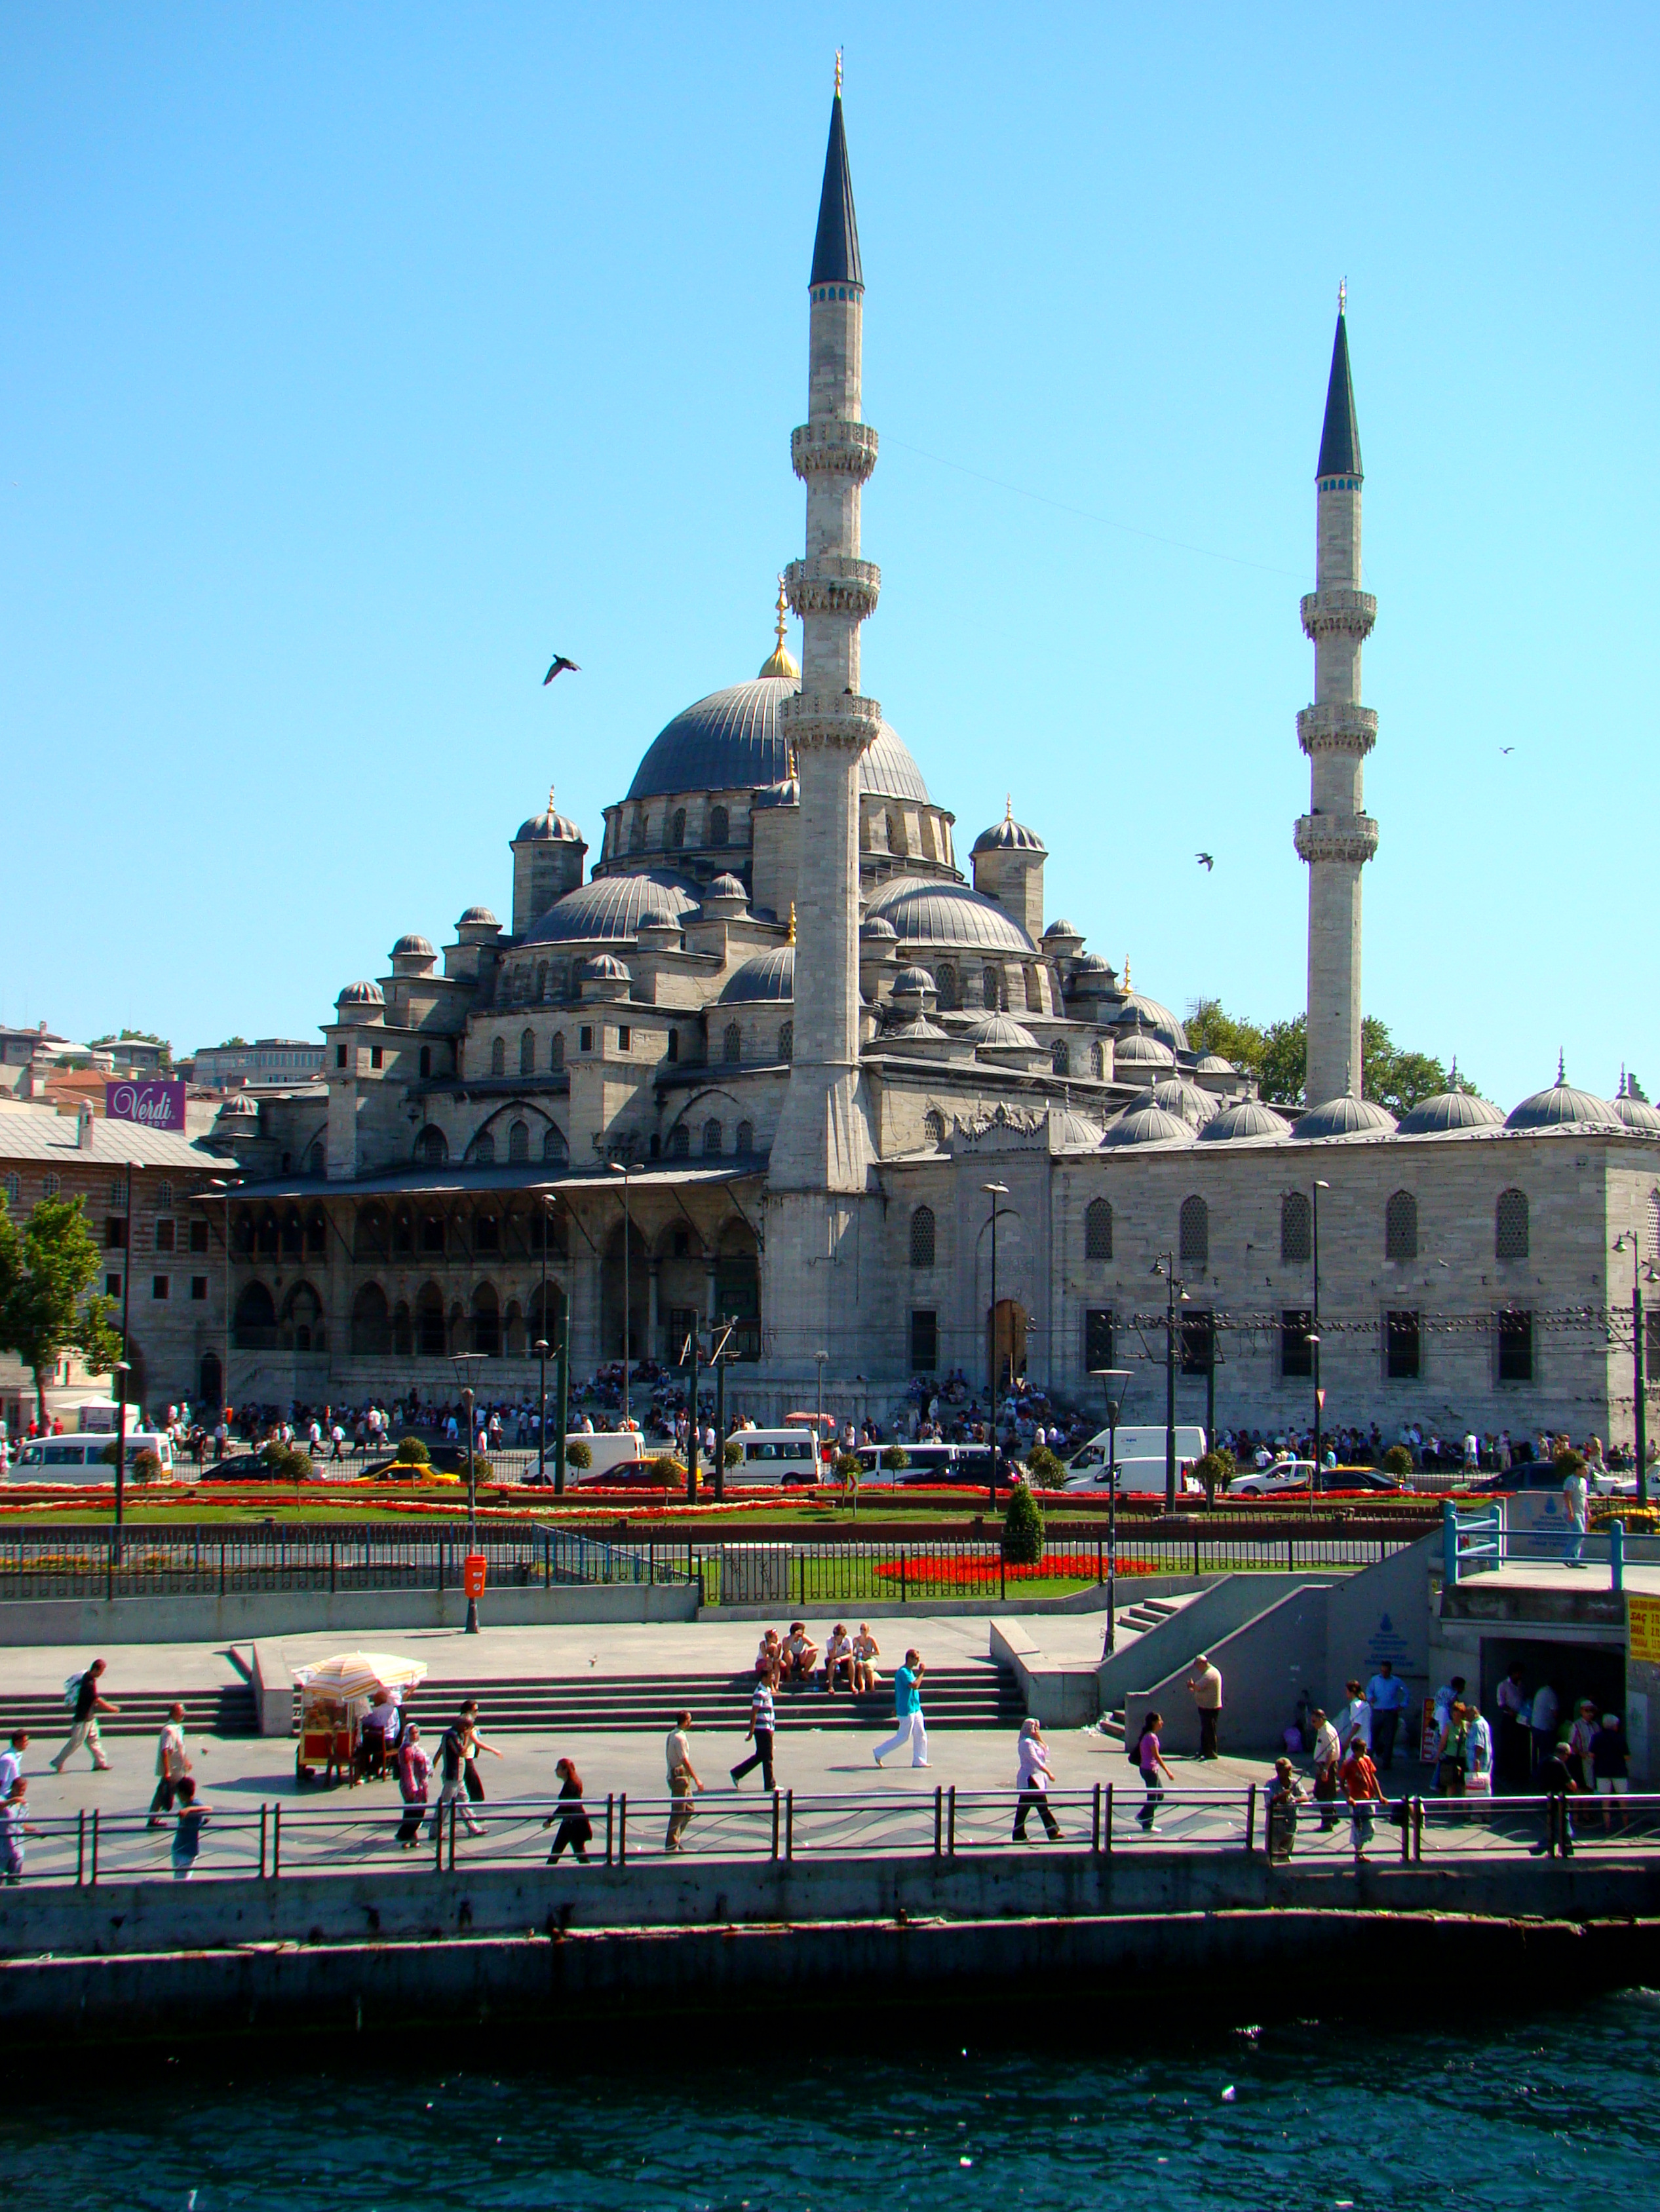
(157, 1105)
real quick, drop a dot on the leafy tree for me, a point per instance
(1277, 1055)
(1023, 1528)
(46, 1270)
(1044, 1467)
(234, 1044)
(579, 1455)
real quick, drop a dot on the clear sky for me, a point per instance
(356, 358)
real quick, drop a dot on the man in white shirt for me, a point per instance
(172, 1764)
(1546, 1707)
(11, 1762)
(1576, 1503)
(683, 1779)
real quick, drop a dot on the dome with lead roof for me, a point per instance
(1138, 1050)
(362, 994)
(1144, 1123)
(604, 968)
(1345, 1117)
(616, 908)
(1636, 1113)
(1001, 1033)
(731, 741)
(927, 911)
(1449, 1111)
(1150, 1015)
(1249, 1122)
(478, 917)
(1178, 1095)
(913, 984)
(1562, 1107)
(764, 979)
(549, 827)
(1009, 835)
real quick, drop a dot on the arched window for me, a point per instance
(732, 1043)
(553, 1144)
(933, 1126)
(429, 1331)
(896, 833)
(317, 1159)
(1400, 1227)
(1296, 1230)
(679, 1143)
(402, 1334)
(746, 1138)
(1196, 1236)
(486, 1321)
(719, 827)
(541, 979)
(1097, 1230)
(371, 1323)
(637, 829)
(430, 1146)
(1099, 1062)
(518, 1141)
(1033, 990)
(711, 1139)
(922, 1237)
(14, 1188)
(944, 983)
(498, 1056)
(256, 1320)
(786, 1040)
(1510, 1238)
(1060, 1058)
(989, 991)
(164, 1197)
(426, 1060)
(482, 1151)
(677, 829)
(50, 1184)
(556, 1049)
(527, 1052)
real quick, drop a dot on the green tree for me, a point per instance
(234, 1044)
(46, 1269)
(1023, 1528)
(1277, 1055)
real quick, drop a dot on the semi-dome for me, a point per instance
(1636, 1113)
(1089, 963)
(1138, 1050)
(1449, 1111)
(949, 915)
(1214, 1064)
(727, 887)
(786, 793)
(1178, 1095)
(413, 947)
(765, 978)
(731, 741)
(1144, 1123)
(478, 917)
(362, 994)
(876, 931)
(913, 984)
(1009, 835)
(1560, 1107)
(1250, 1122)
(1002, 1033)
(615, 908)
(1345, 1117)
(1138, 1008)
(549, 828)
(604, 967)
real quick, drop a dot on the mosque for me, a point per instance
(775, 1061)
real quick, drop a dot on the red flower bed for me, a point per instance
(976, 1573)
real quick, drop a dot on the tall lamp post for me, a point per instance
(1628, 1241)
(541, 1349)
(622, 1168)
(993, 1191)
(1116, 1382)
(1175, 1295)
(464, 1363)
(1314, 1339)
(821, 1358)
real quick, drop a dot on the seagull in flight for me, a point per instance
(1507, 749)
(560, 664)
(1205, 861)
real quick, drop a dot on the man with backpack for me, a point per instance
(81, 1691)
(454, 1748)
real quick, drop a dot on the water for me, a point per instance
(799, 2117)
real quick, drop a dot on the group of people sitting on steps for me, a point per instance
(848, 1661)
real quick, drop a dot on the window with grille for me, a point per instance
(944, 984)
(719, 827)
(527, 1052)
(711, 1139)
(483, 1150)
(933, 1126)
(746, 1137)
(732, 1043)
(498, 1056)
(1099, 1062)
(1196, 1236)
(553, 1144)
(14, 1189)
(1400, 1227)
(1097, 1339)
(679, 1143)
(1097, 1230)
(786, 1040)
(164, 1197)
(117, 1192)
(518, 1141)
(1296, 1352)
(1060, 1058)
(988, 990)
(431, 1148)
(924, 1343)
(1510, 1225)
(1296, 1230)
(922, 1237)
(1515, 1346)
(1401, 1343)
(677, 828)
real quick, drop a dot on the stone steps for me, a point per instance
(226, 1711)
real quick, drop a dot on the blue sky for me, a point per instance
(354, 359)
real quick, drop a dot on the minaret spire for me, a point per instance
(1336, 836)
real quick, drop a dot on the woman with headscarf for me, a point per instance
(1036, 1776)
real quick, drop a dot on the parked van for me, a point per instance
(618, 1447)
(1138, 1478)
(774, 1455)
(1141, 1440)
(81, 1459)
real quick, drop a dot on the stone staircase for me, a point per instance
(1137, 1619)
(228, 1711)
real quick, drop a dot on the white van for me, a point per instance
(81, 1459)
(1140, 1461)
(772, 1457)
(618, 1447)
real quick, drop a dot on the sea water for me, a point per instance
(799, 2112)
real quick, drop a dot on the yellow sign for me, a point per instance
(1645, 1616)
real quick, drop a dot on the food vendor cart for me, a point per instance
(334, 1696)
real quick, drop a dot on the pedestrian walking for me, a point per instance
(1610, 1769)
(1386, 1696)
(414, 1772)
(82, 1691)
(1449, 1766)
(1553, 1778)
(1150, 1761)
(575, 1829)
(11, 1762)
(1035, 1777)
(1478, 1755)
(1286, 1795)
(1576, 1507)
(1355, 1718)
(451, 1776)
(1542, 1722)
(684, 1780)
(192, 1817)
(1360, 1787)
(1327, 1758)
(13, 1829)
(172, 1764)
(908, 1711)
(1205, 1688)
(472, 1780)
(762, 1728)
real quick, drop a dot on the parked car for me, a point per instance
(1544, 1474)
(934, 1465)
(1134, 1478)
(1290, 1477)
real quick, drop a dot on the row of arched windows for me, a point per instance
(426, 1329)
(1510, 1229)
(527, 1053)
(674, 830)
(732, 1043)
(714, 1135)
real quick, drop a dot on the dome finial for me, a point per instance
(792, 935)
(1009, 806)
(1452, 1074)
(1126, 974)
(1561, 1068)
(1342, 296)
(550, 807)
(838, 72)
(780, 661)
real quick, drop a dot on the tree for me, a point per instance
(1277, 1055)
(1023, 1528)
(234, 1044)
(45, 1271)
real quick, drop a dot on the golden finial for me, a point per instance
(1343, 296)
(549, 799)
(1009, 806)
(838, 72)
(1126, 972)
(783, 605)
(791, 937)
(780, 661)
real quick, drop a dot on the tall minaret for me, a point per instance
(1336, 837)
(824, 1142)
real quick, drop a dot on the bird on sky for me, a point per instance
(560, 664)
(1205, 861)
(1507, 749)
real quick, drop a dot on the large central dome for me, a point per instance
(730, 741)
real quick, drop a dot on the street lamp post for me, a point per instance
(622, 1168)
(1628, 1240)
(818, 1425)
(1116, 1382)
(1175, 1294)
(993, 1191)
(1314, 1339)
(464, 1363)
(541, 1349)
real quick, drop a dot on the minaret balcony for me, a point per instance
(1339, 614)
(1351, 837)
(1338, 727)
(844, 718)
(833, 448)
(833, 584)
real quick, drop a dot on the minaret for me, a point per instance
(823, 1142)
(1336, 837)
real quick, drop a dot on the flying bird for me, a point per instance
(1205, 861)
(560, 663)
(1507, 749)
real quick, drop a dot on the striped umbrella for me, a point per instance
(361, 1674)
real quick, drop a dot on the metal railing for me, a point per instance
(1478, 1541)
(283, 1839)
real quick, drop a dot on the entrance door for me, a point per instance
(1005, 1343)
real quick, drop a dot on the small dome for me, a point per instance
(1238, 1125)
(1089, 963)
(1144, 1123)
(1150, 1015)
(1637, 1113)
(1345, 1117)
(876, 931)
(1138, 1049)
(1009, 835)
(727, 887)
(1214, 1064)
(1061, 929)
(920, 1028)
(764, 979)
(478, 917)
(604, 968)
(1001, 1033)
(913, 984)
(413, 947)
(362, 994)
(1178, 1095)
(238, 1107)
(1559, 1107)
(552, 827)
(614, 908)
(1069, 1130)
(786, 793)
(1451, 1110)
